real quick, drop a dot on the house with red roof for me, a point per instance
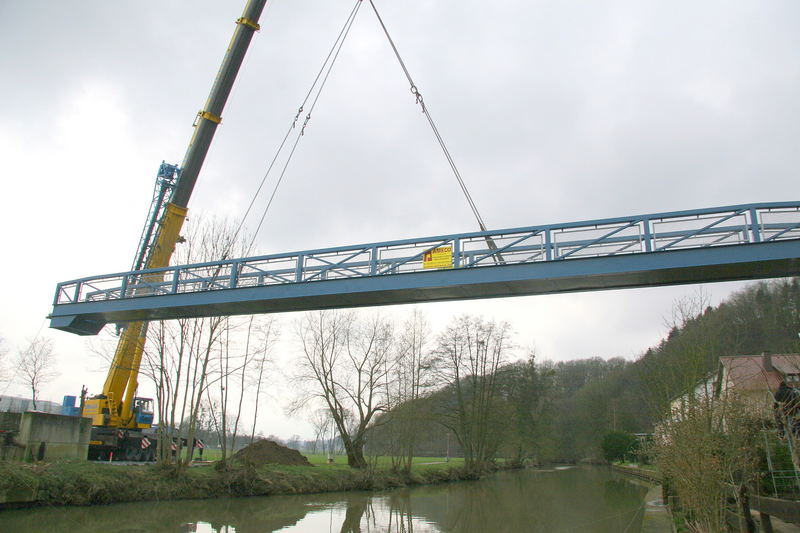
(757, 377)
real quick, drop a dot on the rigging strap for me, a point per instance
(316, 90)
(326, 68)
(317, 85)
(421, 101)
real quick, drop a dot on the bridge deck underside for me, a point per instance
(724, 263)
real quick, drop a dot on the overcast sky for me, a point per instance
(554, 111)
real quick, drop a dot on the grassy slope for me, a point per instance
(82, 483)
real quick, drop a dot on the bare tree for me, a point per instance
(411, 369)
(3, 354)
(323, 424)
(182, 357)
(706, 445)
(468, 354)
(35, 365)
(694, 353)
(346, 363)
(234, 366)
(295, 442)
(269, 333)
(180, 360)
(709, 435)
(242, 354)
(528, 398)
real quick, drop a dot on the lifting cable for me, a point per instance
(316, 90)
(498, 258)
(316, 86)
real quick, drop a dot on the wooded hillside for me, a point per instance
(560, 411)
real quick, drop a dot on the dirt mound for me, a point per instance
(265, 451)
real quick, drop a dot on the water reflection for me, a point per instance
(579, 499)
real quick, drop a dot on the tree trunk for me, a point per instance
(355, 455)
(352, 518)
(354, 448)
(748, 525)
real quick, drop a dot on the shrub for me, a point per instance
(617, 444)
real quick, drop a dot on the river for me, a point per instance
(580, 499)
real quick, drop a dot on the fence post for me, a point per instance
(746, 522)
(766, 523)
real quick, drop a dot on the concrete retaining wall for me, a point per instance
(9, 421)
(49, 437)
(17, 404)
(9, 427)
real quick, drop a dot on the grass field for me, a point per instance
(383, 461)
(319, 459)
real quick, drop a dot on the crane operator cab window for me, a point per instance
(143, 410)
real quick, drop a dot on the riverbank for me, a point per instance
(657, 517)
(574, 499)
(82, 483)
(648, 474)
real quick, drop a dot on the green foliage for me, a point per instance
(617, 445)
(591, 397)
(781, 481)
(468, 358)
(527, 400)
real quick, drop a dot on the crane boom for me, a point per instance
(210, 117)
(114, 407)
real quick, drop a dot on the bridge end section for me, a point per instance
(79, 325)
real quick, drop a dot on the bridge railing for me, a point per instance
(656, 233)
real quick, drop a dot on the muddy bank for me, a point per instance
(82, 483)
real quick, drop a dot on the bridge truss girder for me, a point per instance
(720, 244)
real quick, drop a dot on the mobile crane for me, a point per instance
(118, 415)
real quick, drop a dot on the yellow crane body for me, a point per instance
(118, 416)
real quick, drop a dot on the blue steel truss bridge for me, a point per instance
(741, 242)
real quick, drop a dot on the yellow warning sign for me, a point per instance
(441, 257)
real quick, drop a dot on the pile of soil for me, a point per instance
(265, 451)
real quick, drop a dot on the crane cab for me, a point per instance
(143, 412)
